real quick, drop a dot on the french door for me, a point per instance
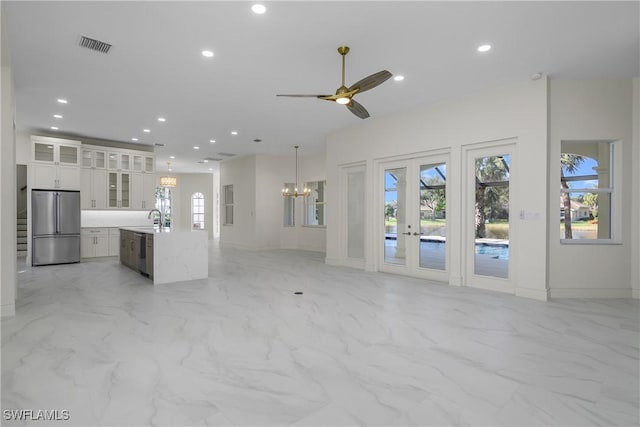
(413, 217)
(489, 225)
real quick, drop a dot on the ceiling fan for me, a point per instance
(344, 95)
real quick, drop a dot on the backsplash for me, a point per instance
(114, 218)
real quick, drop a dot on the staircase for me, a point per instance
(22, 233)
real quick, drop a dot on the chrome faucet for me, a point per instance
(161, 217)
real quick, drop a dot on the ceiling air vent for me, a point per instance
(94, 44)
(226, 154)
(212, 159)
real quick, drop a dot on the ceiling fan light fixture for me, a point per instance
(343, 100)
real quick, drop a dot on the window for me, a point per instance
(586, 190)
(315, 204)
(289, 206)
(197, 211)
(163, 204)
(228, 204)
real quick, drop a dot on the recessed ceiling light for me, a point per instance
(162, 119)
(484, 48)
(57, 116)
(210, 169)
(54, 128)
(213, 141)
(206, 161)
(62, 101)
(398, 78)
(207, 54)
(233, 132)
(170, 169)
(196, 147)
(146, 130)
(134, 139)
(172, 157)
(259, 9)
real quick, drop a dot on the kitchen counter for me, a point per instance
(173, 255)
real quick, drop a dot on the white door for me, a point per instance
(414, 217)
(489, 222)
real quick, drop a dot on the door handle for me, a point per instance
(408, 233)
(416, 233)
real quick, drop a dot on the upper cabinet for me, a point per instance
(55, 164)
(119, 161)
(94, 159)
(119, 179)
(142, 163)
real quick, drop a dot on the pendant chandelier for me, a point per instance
(168, 181)
(285, 189)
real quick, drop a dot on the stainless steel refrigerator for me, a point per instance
(55, 227)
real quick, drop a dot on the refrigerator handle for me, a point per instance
(57, 213)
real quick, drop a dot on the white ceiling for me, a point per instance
(155, 67)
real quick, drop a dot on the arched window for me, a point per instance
(197, 211)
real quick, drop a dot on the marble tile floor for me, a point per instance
(357, 348)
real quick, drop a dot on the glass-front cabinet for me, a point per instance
(119, 161)
(55, 163)
(119, 190)
(93, 159)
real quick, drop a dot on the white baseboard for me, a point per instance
(538, 294)
(589, 293)
(8, 310)
(455, 281)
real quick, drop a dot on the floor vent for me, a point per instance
(94, 44)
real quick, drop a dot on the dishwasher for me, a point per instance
(141, 253)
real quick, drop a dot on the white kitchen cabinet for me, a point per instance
(119, 190)
(55, 164)
(94, 159)
(94, 242)
(119, 161)
(143, 188)
(93, 189)
(149, 164)
(114, 241)
(142, 163)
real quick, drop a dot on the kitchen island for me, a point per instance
(165, 255)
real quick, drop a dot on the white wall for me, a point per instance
(269, 173)
(114, 218)
(591, 110)
(188, 184)
(7, 179)
(517, 112)
(241, 173)
(23, 148)
(635, 220)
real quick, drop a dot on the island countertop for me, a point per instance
(177, 254)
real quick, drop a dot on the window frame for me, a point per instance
(195, 197)
(227, 203)
(289, 206)
(310, 203)
(613, 189)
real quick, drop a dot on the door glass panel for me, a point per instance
(492, 216)
(433, 216)
(68, 155)
(113, 190)
(355, 214)
(86, 158)
(99, 159)
(43, 152)
(148, 164)
(395, 202)
(125, 190)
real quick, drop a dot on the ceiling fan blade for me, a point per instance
(305, 96)
(371, 81)
(357, 109)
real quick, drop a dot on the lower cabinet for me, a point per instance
(99, 242)
(94, 242)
